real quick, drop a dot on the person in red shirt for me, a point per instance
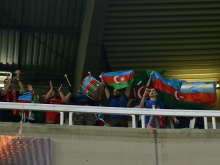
(52, 98)
(8, 94)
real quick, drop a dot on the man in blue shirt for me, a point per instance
(117, 99)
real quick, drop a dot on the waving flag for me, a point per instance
(118, 80)
(178, 94)
(138, 92)
(140, 81)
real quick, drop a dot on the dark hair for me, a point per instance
(155, 89)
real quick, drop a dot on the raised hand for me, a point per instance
(51, 85)
(151, 73)
(17, 72)
(59, 89)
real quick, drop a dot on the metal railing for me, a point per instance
(113, 110)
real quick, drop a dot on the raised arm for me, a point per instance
(150, 79)
(47, 97)
(22, 89)
(65, 99)
(143, 98)
(107, 92)
(128, 91)
(130, 102)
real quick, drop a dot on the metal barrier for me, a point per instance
(112, 110)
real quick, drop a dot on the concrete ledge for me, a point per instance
(124, 146)
(50, 129)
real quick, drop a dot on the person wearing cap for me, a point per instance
(8, 94)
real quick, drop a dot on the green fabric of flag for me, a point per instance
(119, 79)
(36, 113)
(142, 79)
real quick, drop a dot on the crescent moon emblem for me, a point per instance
(116, 80)
(176, 95)
(138, 92)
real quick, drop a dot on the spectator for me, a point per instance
(11, 95)
(82, 100)
(152, 103)
(52, 98)
(117, 99)
(137, 102)
(30, 97)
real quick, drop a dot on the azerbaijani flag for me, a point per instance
(177, 94)
(119, 79)
(138, 92)
(140, 81)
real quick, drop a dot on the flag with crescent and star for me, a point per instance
(140, 81)
(119, 79)
(178, 94)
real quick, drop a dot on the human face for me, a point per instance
(147, 95)
(53, 94)
(153, 92)
(116, 93)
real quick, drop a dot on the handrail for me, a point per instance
(109, 110)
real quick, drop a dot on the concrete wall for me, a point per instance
(80, 145)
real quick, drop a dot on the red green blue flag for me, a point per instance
(140, 81)
(119, 79)
(177, 94)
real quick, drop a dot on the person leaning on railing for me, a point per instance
(82, 100)
(117, 99)
(152, 103)
(52, 98)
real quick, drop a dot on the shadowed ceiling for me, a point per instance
(182, 37)
(41, 37)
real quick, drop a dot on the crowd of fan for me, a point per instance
(115, 98)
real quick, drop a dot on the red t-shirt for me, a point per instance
(53, 116)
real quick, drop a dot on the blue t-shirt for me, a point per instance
(81, 99)
(149, 104)
(118, 102)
